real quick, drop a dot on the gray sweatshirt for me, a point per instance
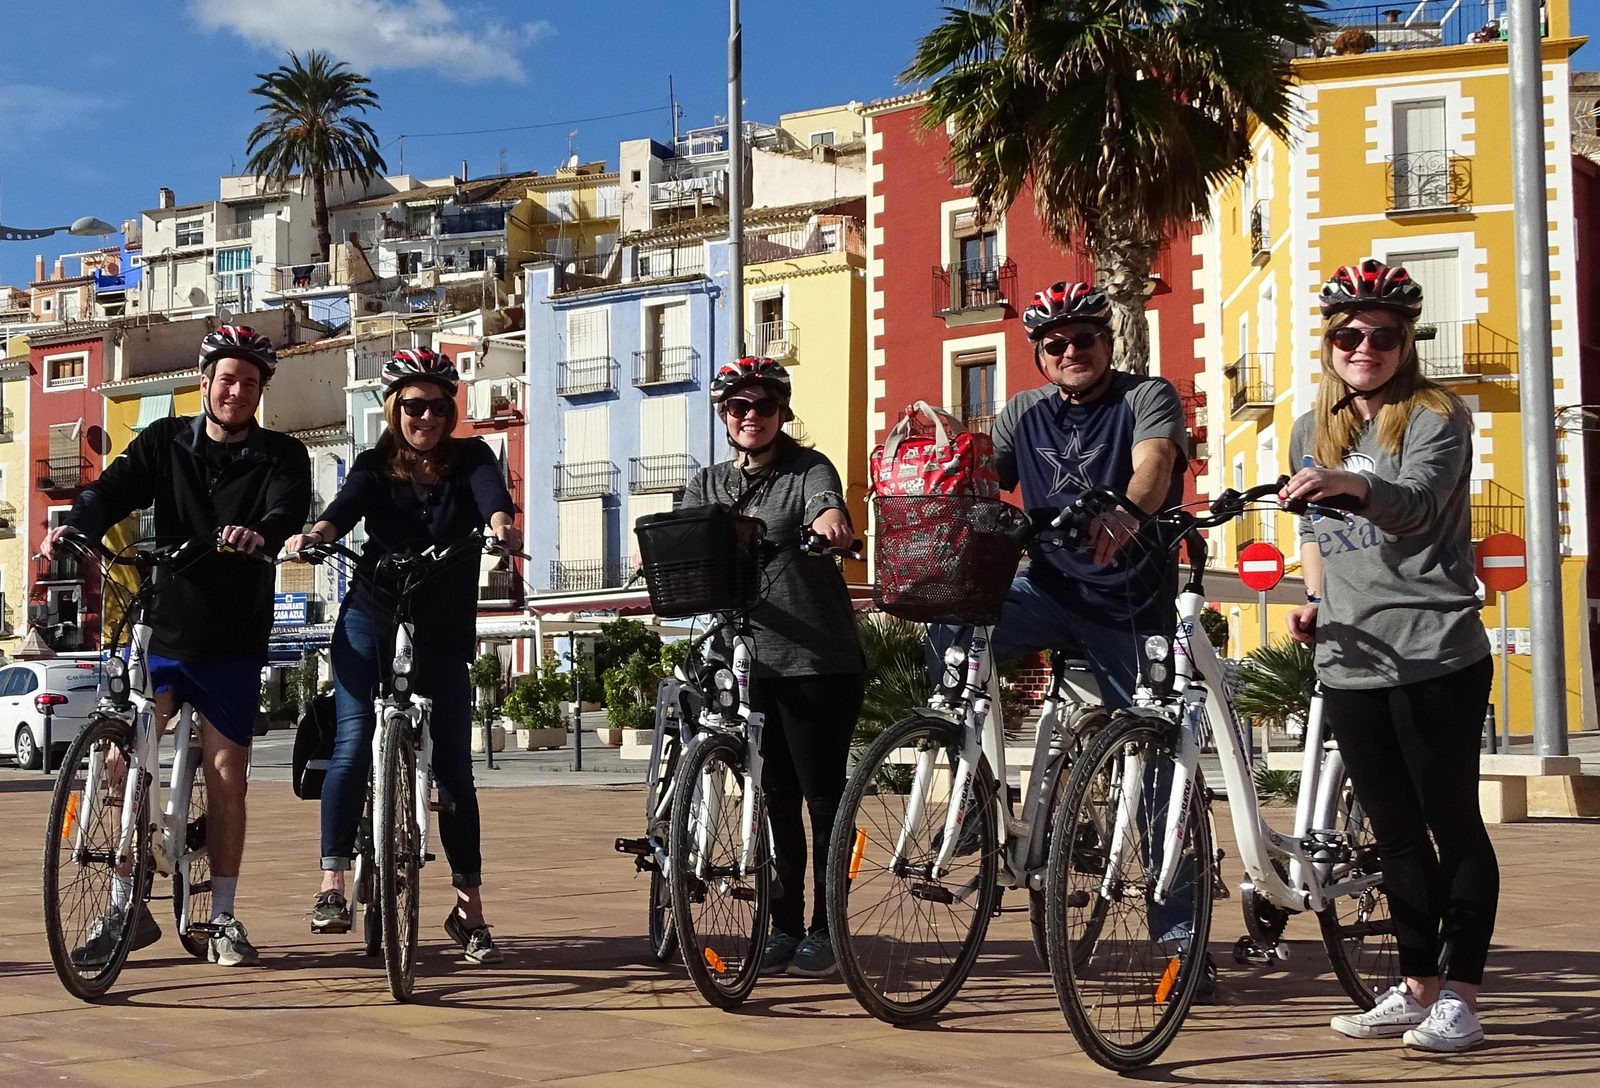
(805, 625)
(1399, 600)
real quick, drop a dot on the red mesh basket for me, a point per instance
(946, 558)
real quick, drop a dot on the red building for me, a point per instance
(67, 438)
(946, 295)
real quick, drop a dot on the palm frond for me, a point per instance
(1276, 682)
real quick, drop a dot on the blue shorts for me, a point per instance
(226, 693)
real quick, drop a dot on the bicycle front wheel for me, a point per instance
(905, 930)
(720, 905)
(191, 884)
(1357, 929)
(398, 859)
(1126, 967)
(88, 931)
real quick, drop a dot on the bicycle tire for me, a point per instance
(721, 944)
(663, 937)
(1103, 964)
(398, 861)
(88, 892)
(1085, 723)
(1364, 972)
(196, 889)
(361, 881)
(909, 975)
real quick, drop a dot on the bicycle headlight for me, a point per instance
(402, 663)
(724, 680)
(1155, 654)
(116, 677)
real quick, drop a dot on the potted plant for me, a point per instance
(534, 707)
(488, 677)
(631, 694)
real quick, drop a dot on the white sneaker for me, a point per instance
(1450, 1027)
(1395, 1014)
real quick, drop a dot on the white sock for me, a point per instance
(121, 892)
(222, 892)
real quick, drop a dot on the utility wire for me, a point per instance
(525, 128)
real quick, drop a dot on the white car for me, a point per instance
(70, 689)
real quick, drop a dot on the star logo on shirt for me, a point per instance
(1071, 464)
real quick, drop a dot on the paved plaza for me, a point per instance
(578, 1002)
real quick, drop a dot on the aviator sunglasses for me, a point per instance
(1349, 337)
(416, 407)
(1083, 341)
(738, 408)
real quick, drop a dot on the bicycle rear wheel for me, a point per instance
(906, 936)
(1126, 968)
(191, 884)
(663, 938)
(89, 937)
(720, 908)
(363, 883)
(398, 858)
(1357, 929)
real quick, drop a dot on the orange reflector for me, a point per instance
(857, 852)
(69, 821)
(1169, 979)
(715, 962)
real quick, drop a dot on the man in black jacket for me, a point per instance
(218, 476)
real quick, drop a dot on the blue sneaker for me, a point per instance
(814, 958)
(779, 952)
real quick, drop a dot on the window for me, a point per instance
(1444, 355)
(68, 305)
(666, 355)
(66, 372)
(664, 427)
(824, 138)
(1421, 165)
(589, 334)
(634, 176)
(233, 276)
(975, 280)
(976, 373)
(191, 232)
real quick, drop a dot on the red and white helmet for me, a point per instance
(1064, 303)
(419, 364)
(751, 370)
(1372, 285)
(238, 342)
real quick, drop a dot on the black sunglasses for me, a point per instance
(738, 408)
(416, 407)
(1349, 337)
(1083, 341)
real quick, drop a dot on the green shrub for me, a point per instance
(535, 700)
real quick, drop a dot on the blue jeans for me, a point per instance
(362, 645)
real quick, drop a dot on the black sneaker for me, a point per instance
(330, 913)
(475, 942)
(814, 958)
(106, 930)
(779, 952)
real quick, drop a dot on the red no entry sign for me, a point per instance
(1260, 566)
(1502, 562)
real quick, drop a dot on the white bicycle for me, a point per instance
(1130, 883)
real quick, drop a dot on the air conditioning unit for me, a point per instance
(39, 613)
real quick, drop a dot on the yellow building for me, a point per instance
(14, 490)
(1402, 153)
(574, 214)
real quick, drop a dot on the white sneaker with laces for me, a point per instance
(1395, 1013)
(1451, 1027)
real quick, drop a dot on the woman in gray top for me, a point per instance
(809, 676)
(1401, 651)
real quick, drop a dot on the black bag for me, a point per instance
(313, 748)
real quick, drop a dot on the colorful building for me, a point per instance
(14, 489)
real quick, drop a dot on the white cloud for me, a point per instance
(373, 35)
(29, 111)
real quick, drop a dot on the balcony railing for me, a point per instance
(301, 277)
(503, 587)
(146, 528)
(1464, 351)
(665, 366)
(1250, 383)
(61, 473)
(8, 520)
(978, 418)
(585, 479)
(370, 364)
(234, 232)
(973, 285)
(393, 231)
(786, 243)
(577, 377)
(659, 472)
(1429, 181)
(1260, 233)
(775, 339)
(59, 569)
(585, 574)
(475, 221)
(7, 423)
(1247, 530)
(1386, 28)
(711, 187)
(1497, 509)
(658, 264)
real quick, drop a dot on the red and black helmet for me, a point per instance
(419, 365)
(238, 342)
(751, 370)
(1372, 285)
(1063, 303)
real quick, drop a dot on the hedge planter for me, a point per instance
(533, 740)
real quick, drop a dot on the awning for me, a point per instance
(153, 407)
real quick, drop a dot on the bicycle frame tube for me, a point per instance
(1061, 705)
(172, 847)
(975, 739)
(1311, 784)
(743, 659)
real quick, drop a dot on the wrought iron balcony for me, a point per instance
(775, 339)
(1250, 385)
(585, 574)
(1260, 233)
(369, 364)
(501, 587)
(585, 480)
(1429, 181)
(7, 423)
(978, 418)
(659, 472)
(61, 473)
(665, 366)
(1387, 28)
(1464, 351)
(301, 277)
(973, 285)
(578, 377)
(1497, 509)
(63, 568)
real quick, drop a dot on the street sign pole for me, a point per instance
(1261, 608)
(1501, 564)
(1505, 678)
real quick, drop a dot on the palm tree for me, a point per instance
(310, 128)
(1121, 114)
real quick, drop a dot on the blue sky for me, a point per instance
(93, 122)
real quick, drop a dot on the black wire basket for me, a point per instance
(701, 559)
(947, 558)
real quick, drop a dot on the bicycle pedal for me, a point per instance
(430, 856)
(932, 893)
(442, 806)
(638, 847)
(744, 893)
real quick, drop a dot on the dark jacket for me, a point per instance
(219, 608)
(445, 606)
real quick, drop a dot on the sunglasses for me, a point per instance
(1083, 341)
(738, 408)
(1350, 337)
(417, 407)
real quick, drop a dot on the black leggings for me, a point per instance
(1412, 752)
(805, 750)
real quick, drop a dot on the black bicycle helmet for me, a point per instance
(419, 364)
